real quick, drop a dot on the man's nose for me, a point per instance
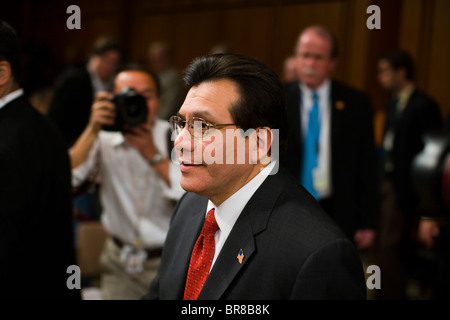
(184, 141)
(310, 61)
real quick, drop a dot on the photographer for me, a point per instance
(138, 181)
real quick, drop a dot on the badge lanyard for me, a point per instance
(134, 255)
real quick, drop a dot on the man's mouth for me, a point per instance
(185, 166)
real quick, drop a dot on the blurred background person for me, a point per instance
(71, 104)
(432, 184)
(74, 93)
(410, 114)
(35, 193)
(289, 69)
(139, 185)
(433, 231)
(161, 62)
(331, 141)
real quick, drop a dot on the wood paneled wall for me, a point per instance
(264, 29)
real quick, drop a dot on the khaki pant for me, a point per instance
(115, 283)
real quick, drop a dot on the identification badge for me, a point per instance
(320, 180)
(134, 259)
(125, 252)
(135, 262)
(388, 141)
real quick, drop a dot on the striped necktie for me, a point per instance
(201, 258)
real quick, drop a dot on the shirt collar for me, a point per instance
(228, 212)
(404, 94)
(323, 91)
(117, 139)
(10, 97)
(406, 91)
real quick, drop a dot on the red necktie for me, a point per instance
(201, 258)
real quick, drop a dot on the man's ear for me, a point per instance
(5, 72)
(332, 65)
(402, 74)
(261, 144)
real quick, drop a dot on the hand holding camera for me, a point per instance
(125, 112)
(141, 138)
(130, 108)
(103, 112)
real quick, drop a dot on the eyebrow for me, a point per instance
(148, 90)
(204, 115)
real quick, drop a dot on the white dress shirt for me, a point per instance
(135, 199)
(229, 211)
(403, 98)
(322, 175)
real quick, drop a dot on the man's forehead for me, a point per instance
(132, 74)
(210, 99)
(310, 37)
(136, 78)
(214, 92)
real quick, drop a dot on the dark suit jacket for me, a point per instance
(70, 107)
(292, 250)
(36, 230)
(353, 158)
(420, 116)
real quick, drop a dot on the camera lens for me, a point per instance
(131, 109)
(134, 108)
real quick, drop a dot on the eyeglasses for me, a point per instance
(196, 126)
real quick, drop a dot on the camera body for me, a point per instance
(131, 109)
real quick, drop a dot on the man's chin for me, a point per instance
(191, 186)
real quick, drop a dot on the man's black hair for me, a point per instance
(10, 49)
(262, 99)
(104, 44)
(400, 59)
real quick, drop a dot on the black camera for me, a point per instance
(131, 109)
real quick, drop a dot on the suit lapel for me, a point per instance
(13, 106)
(334, 123)
(252, 221)
(338, 124)
(227, 265)
(295, 117)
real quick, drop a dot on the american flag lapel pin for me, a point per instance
(240, 256)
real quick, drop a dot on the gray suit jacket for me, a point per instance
(292, 250)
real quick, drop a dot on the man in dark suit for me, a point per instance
(343, 179)
(70, 107)
(410, 114)
(74, 93)
(264, 236)
(36, 231)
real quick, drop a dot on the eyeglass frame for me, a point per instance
(191, 124)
